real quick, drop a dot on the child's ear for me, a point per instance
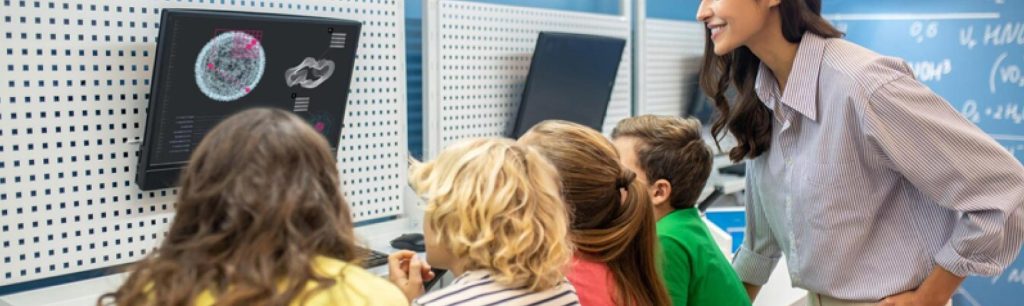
(662, 190)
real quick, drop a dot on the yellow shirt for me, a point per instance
(355, 287)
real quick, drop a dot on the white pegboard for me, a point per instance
(74, 80)
(478, 56)
(670, 61)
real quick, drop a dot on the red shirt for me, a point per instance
(593, 281)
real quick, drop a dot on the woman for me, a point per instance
(260, 220)
(613, 225)
(496, 219)
(874, 188)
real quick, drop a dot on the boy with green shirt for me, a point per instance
(672, 159)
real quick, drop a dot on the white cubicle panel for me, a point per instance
(669, 57)
(477, 59)
(73, 96)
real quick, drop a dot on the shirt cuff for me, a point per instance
(949, 259)
(753, 268)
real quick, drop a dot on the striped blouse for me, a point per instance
(872, 180)
(477, 288)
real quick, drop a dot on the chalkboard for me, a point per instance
(972, 54)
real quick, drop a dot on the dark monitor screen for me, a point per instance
(571, 78)
(702, 107)
(212, 64)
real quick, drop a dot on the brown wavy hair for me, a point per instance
(604, 228)
(747, 118)
(259, 201)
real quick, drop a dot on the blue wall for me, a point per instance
(685, 10)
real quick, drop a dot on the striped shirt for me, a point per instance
(477, 288)
(872, 180)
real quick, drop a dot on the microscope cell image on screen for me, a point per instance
(230, 65)
(310, 73)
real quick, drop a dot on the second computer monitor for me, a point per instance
(571, 78)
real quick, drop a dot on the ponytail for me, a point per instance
(606, 228)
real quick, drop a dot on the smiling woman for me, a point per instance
(836, 178)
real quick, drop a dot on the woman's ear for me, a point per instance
(773, 3)
(660, 192)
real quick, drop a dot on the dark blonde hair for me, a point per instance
(259, 200)
(670, 148)
(619, 233)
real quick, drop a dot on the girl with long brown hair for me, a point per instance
(613, 223)
(873, 186)
(260, 220)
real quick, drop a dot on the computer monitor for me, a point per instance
(701, 106)
(212, 64)
(571, 78)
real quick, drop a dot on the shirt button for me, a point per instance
(789, 162)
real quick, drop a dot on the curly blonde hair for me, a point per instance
(497, 206)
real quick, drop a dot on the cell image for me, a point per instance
(310, 73)
(321, 122)
(230, 66)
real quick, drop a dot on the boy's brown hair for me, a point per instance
(670, 148)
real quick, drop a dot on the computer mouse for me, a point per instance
(413, 242)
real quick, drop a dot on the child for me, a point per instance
(260, 220)
(495, 218)
(669, 155)
(613, 225)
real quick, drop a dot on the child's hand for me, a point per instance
(408, 273)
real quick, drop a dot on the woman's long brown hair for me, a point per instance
(747, 118)
(604, 228)
(259, 201)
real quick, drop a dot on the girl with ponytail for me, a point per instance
(613, 225)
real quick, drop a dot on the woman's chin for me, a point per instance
(722, 49)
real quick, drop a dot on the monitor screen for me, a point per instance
(571, 78)
(212, 64)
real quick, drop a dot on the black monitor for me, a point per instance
(212, 64)
(571, 78)
(702, 107)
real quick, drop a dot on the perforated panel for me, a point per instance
(73, 96)
(672, 55)
(482, 54)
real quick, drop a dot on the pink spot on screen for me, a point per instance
(247, 90)
(319, 126)
(209, 66)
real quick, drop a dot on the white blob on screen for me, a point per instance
(310, 73)
(230, 66)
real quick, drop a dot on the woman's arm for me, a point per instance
(759, 253)
(960, 168)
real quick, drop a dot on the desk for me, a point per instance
(86, 292)
(378, 237)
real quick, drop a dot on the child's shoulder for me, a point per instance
(684, 230)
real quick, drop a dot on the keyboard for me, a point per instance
(373, 258)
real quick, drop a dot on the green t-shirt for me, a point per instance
(695, 270)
